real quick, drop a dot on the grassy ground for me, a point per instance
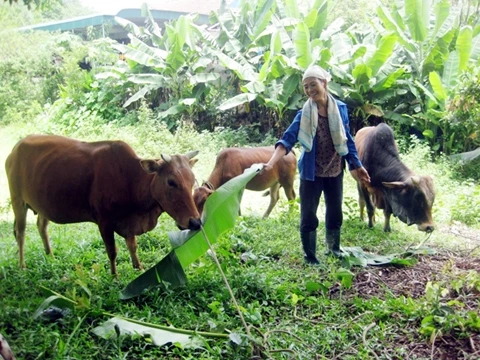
(428, 310)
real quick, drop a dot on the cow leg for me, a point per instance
(361, 202)
(365, 195)
(19, 226)
(109, 240)
(42, 225)
(274, 195)
(387, 212)
(132, 248)
(289, 192)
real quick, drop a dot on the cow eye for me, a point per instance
(172, 183)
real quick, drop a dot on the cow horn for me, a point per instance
(191, 154)
(166, 158)
(394, 184)
(416, 180)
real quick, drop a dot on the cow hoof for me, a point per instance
(387, 230)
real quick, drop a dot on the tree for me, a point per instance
(39, 4)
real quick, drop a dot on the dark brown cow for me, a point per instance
(232, 162)
(70, 181)
(394, 187)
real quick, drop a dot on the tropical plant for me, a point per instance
(435, 52)
(170, 67)
(469, 10)
(365, 72)
(281, 43)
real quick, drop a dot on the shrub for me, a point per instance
(467, 207)
(464, 112)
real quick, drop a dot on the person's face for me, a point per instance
(315, 88)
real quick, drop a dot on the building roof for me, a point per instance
(162, 11)
(187, 6)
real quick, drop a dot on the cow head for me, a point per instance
(200, 195)
(411, 201)
(172, 186)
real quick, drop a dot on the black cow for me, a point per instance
(394, 187)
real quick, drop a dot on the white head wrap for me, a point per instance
(317, 72)
(309, 119)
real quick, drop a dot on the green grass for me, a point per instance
(289, 305)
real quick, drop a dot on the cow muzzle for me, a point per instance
(428, 228)
(193, 224)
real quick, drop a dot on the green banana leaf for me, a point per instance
(355, 256)
(117, 326)
(219, 214)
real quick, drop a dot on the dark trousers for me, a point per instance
(310, 192)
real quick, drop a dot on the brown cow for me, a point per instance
(394, 187)
(70, 181)
(231, 162)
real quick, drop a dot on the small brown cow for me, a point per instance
(393, 187)
(231, 162)
(69, 181)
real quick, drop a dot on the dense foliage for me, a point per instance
(409, 66)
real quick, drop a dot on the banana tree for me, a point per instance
(282, 49)
(172, 66)
(426, 31)
(365, 72)
(441, 89)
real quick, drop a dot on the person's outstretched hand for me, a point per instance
(266, 167)
(361, 175)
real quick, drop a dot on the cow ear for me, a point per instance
(394, 185)
(192, 162)
(150, 166)
(416, 180)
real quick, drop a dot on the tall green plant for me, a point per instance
(435, 52)
(365, 71)
(282, 48)
(175, 66)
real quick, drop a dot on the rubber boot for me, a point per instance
(332, 242)
(309, 242)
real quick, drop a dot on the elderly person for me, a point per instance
(322, 129)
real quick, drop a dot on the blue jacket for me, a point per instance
(306, 163)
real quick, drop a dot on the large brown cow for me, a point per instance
(70, 181)
(394, 187)
(231, 162)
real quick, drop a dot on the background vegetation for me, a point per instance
(412, 64)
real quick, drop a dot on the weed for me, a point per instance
(308, 310)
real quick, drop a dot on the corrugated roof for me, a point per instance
(162, 11)
(187, 6)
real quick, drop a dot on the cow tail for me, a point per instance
(266, 193)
